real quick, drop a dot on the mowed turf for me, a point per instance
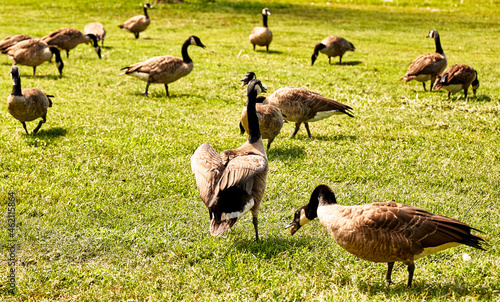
(107, 207)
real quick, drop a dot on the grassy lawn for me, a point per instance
(107, 207)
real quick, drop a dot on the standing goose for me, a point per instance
(27, 104)
(270, 118)
(262, 35)
(164, 69)
(96, 29)
(138, 23)
(233, 182)
(384, 231)
(332, 46)
(33, 52)
(429, 66)
(456, 78)
(11, 41)
(69, 38)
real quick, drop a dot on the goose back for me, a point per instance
(11, 41)
(31, 52)
(456, 78)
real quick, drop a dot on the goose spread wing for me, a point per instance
(207, 166)
(241, 170)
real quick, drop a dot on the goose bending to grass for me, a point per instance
(233, 182)
(429, 66)
(11, 41)
(332, 46)
(164, 69)
(384, 231)
(27, 104)
(96, 29)
(138, 24)
(270, 118)
(69, 38)
(33, 52)
(456, 78)
(262, 35)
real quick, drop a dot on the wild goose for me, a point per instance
(138, 24)
(233, 182)
(262, 35)
(384, 231)
(270, 118)
(97, 29)
(27, 104)
(164, 69)
(456, 78)
(332, 46)
(429, 66)
(69, 38)
(11, 41)
(33, 52)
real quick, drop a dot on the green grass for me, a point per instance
(107, 206)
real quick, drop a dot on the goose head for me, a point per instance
(266, 11)
(433, 34)
(317, 48)
(194, 40)
(96, 46)
(248, 77)
(475, 85)
(147, 5)
(14, 73)
(255, 87)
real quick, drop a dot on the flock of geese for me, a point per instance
(233, 182)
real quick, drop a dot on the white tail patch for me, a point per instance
(238, 214)
(435, 249)
(140, 75)
(453, 88)
(323, 114)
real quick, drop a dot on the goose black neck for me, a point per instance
(93, 38)
(185, 55)
(253, 120)
(264, 20)
(146, 12)
(57, 53)
(16, 89)
(318, 47)
(323, 195)
(439, 49)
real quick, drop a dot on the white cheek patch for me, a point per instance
(193, 42)
(303, 219)
(140, 75)
(238, 214)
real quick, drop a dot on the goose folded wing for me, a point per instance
(241, 170)
(425, 64)
(207, 166)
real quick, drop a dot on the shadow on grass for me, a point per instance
(285, 152)
(270, 247)
(270, 51)
(45, 136)
(337, 137)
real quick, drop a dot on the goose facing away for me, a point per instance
(11, 41)
(456, 78)
(332, 46)
(138, 24)
(69, 38)
(33, 52)
(270, 118)
(262, 35)
(233, 182)
(384, 231)
(27, 104)
(429, 66)
(96, 29)
(164, 69)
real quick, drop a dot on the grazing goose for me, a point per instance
(456, 78)
(233, 182)
(69, 38)
(262, 35)
(332, 47)
(384, 231)
(138, 23)
(270, 118)
(11, 41)
(164, 69)
(33, 52)
(429, 66)
(96, 29)
(27, 104)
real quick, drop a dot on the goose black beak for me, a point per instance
(294, 227)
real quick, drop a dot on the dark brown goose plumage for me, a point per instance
(96, 29)
(456, 78)
(27, 104)
(332, 46)
(233, 182)
(262, 35)
(429, 66)
(69, 38)
(11, 41)
(385, 231)
(138, 24)
(33, 52)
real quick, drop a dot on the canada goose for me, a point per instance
(164, 69)
(138, 23)
(233, 182)
(27, 104)
(262, 35)
(97, 29)
(384, 231)
(69, 38)
(33, 52)
(332, 46)
(11, 41)
(270, 118)
(429, 66)
(456, 78)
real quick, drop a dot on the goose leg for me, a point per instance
(390, 265)
(254, 47)
(255, 221)
(34, 70)
(329, 60)
(24, 126)
(449, 94)
(242, 130)
(297, 125)
(465, 93)
(166, 89)
(423, 83)
(269, 141)
(267, 48)
(136, 35)
(147, 87)
(340, 60)
(433, 79)
(39, 125)
(307, 128)
(67, 53)
(411, 269)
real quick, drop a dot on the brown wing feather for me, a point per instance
(432, 63)
(207, 166)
